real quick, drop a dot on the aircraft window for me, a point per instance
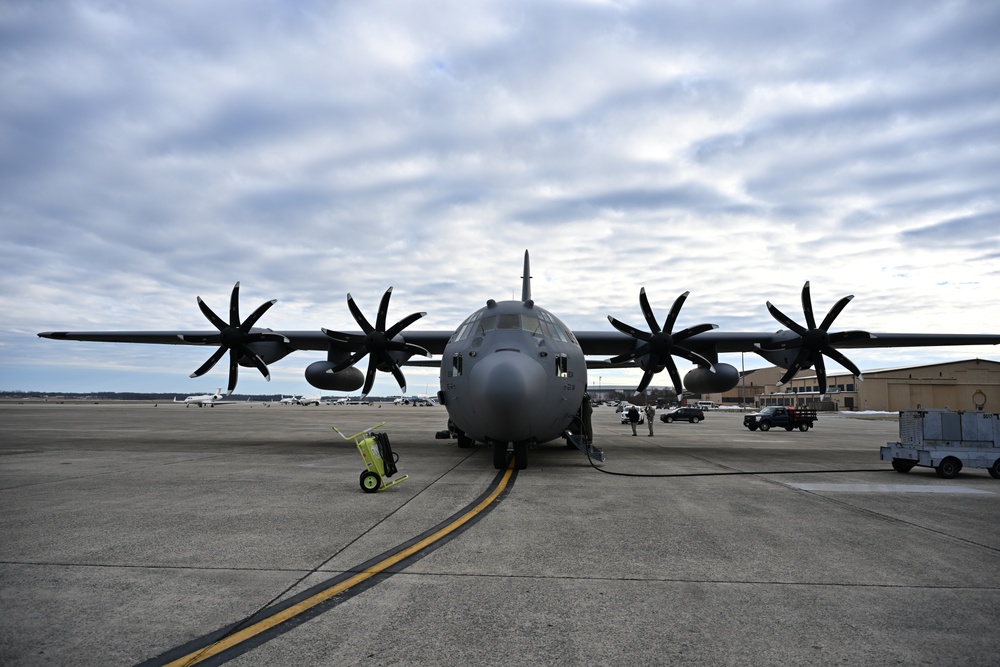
(456, 366)
(531, 324)
(461, 333)
(558, 332)
(509, 322)
(562, 365)
(488, 323)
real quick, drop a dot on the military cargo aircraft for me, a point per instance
(512, 374)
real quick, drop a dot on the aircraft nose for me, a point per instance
(507, 389)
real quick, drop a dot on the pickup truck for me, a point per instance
(776, 415)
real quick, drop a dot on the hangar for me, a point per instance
(971, 384)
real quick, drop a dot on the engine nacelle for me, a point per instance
(320, 375)
(705, 381)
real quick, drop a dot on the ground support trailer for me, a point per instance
(946, 441)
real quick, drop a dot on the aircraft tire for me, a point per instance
(499, 455)
(370, 482)
(521, 455)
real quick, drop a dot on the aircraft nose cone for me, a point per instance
(507, 389)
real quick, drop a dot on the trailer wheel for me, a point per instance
(803, 427)
(994, 469)
(370, 482)
(902, 465)
(949, 467)
(765, 426)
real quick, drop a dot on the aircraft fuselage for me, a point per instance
(513, 373)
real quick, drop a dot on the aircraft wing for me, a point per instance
(712, 343)
(432, 341)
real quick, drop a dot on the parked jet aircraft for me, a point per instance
(211, 400)
(310, 400)
(512, 373)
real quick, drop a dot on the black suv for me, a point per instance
(693, 415)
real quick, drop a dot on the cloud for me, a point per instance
(161, 151)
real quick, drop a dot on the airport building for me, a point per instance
(972, 384)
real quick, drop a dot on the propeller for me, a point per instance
(378, 342)
(816, 342)
(234, 338)
(661, 345)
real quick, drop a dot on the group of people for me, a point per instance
(587, 411)
(633, 417)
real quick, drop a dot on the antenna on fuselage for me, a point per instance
(526, 280)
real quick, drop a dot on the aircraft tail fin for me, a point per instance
(526, 280)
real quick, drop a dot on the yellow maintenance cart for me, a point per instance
(380, 461)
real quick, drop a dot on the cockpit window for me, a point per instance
(488, 323)
(531, 324)
(509, 322)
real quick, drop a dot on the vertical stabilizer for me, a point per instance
(526, 280)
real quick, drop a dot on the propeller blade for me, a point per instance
(807, 306)
(369, 377)
(675, 310)
(216, 321)
(343, 337)
(234, 371)
(207, 366)
(383, 308)
(647, 377)
(835, 311)
(785, 319)
(675, 377)
(255, 315)
(398, 374)
(693, 357)
(684, 334)
(402, 324)
(820, 368)
(358, 315)
(234, 307)
(837, 356)
(350, 361)
(629, 329)
(647, 312)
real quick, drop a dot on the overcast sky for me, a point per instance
(153, 152)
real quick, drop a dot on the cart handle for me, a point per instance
(360, 433)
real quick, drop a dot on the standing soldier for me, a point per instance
(588, 412)
(650, 412)
(633, 417)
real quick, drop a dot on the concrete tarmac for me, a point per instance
(129, 530)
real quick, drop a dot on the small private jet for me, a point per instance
(211, 400)
(512, 374)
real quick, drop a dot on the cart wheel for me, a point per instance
(994, 469)
(902, 465)
(949, 467)
(370, 482)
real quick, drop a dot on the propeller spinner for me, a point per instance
(378, 342)
(815, 342)
(234, 338)
(661, 345)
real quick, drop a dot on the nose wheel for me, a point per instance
(500, 453)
